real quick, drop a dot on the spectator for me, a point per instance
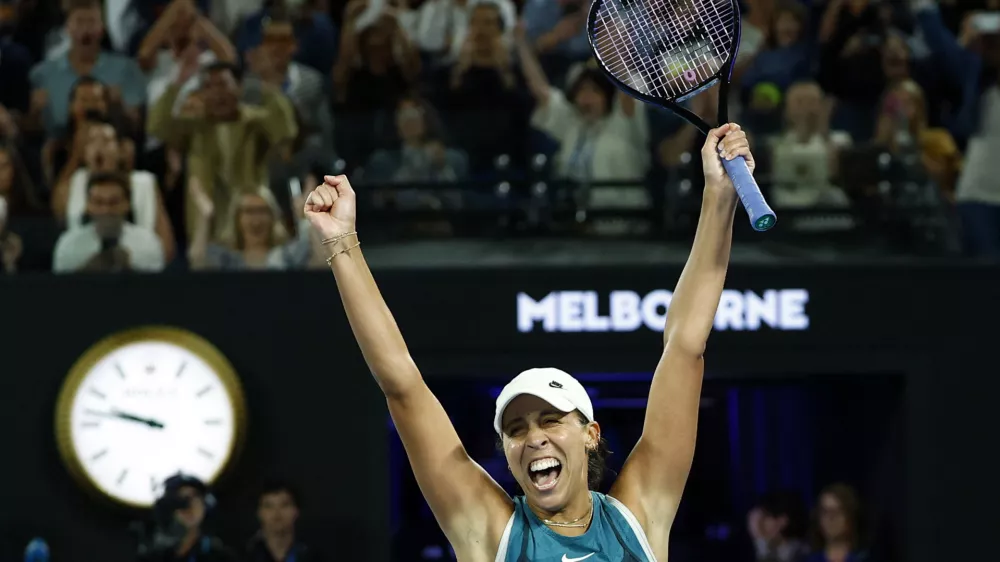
(785, 59)
(227, 143)
(314, 32)
(602, 133)
(375, 65)
(15, 65)
(179, 33)
(107, 241)
(27, 24)
(276, 541)
(775, 526)
(421, 156)
(16, 185)
(835, 526)
(53, 80)
(272, 64)
(103, 154)
(439, 27)
(183, 536)
(902, 126)
(804, 156)
(27, 228)
(483, 99)
(973, 61)
(558, 30)
(90, 102)
(253, 236)
(11, 246)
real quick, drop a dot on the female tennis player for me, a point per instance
(544, 417)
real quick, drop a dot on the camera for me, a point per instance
(167, 530)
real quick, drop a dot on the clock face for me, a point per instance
(145, 410)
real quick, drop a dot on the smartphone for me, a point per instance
(108, 244)
(986, 23)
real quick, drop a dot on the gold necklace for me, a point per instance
(574, 523)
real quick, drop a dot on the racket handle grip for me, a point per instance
(761, 216)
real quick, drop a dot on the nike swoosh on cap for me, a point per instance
(567, 559)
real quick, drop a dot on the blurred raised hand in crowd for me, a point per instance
(250, 97)
(228, 143)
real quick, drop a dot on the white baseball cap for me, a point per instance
(555, 386)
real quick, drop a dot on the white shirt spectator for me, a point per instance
(430, 25)
(978, 182)
(77, 246)
(617, 144)
(613, 149)
(144, 198)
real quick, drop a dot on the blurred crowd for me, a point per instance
(782, 532)
(780, 528)
(151, 134)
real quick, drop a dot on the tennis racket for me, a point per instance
(665, 51)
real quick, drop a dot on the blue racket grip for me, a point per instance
(761, 216)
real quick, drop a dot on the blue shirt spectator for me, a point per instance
(57, 77)
(53, 79)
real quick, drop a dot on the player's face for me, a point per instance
(546, 451)
(277, 512)
(832, 519)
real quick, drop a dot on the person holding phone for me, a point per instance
(107, 241)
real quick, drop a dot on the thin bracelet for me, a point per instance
(335, 239)
(329, 260)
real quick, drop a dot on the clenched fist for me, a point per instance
(331, 207)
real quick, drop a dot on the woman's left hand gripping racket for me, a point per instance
(665, 51)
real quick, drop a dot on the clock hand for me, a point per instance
(150, 422)
(128, 417)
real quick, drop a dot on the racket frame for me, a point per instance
(674, 104)
(761, 216)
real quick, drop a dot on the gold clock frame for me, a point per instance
(179, 337)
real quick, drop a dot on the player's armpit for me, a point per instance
(471, 508)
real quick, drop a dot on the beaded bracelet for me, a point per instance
(329, 260)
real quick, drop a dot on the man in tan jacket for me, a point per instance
(228, 144)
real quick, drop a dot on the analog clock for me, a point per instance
(144, 404)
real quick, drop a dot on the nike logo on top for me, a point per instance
(568, 559)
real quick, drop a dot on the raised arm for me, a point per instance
(653, 477)
(470, 507)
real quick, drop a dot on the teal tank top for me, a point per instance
(614, 536)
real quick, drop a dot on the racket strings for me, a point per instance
(664, 48)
